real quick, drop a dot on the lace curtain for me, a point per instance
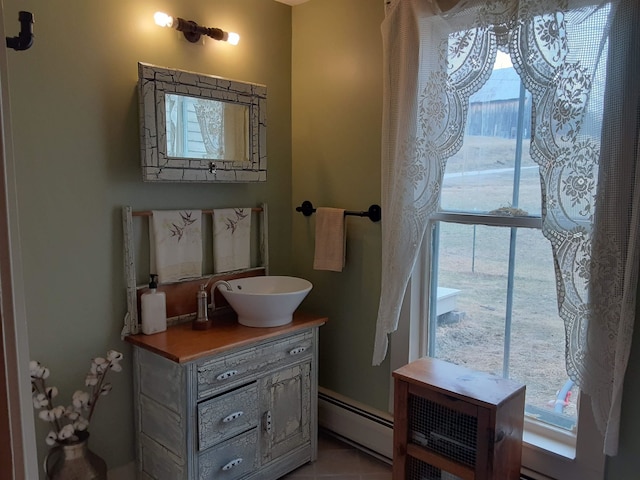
(211, 121)
(585, 147)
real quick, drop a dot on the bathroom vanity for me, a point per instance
(231, 402)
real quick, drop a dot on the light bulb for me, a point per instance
(233, 38)
(162, 19)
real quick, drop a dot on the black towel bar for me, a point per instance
(374, 213)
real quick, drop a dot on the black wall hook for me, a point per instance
(24, 40)
(374, 213)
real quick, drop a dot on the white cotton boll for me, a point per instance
(52, 392)
(114, 356)
(80, 399)
(106, 388)
(116, 367)
(34, 368)
(80, 395)
(71, 414)
(99, 365)
(91, 380)
(81, 424)
(66, 432)
(40, 400)
(51, 438)
(46, 415)
(45, 373)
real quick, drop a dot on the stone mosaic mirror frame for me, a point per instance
(154, 82)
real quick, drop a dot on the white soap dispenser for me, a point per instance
(154, 309)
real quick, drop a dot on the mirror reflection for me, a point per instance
(207, 129)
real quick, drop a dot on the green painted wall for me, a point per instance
(337, 112)
(75, 121)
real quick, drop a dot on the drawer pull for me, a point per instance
(232, 463)
(267, 421)
(297, 350)
(228, 374)
(232, 417)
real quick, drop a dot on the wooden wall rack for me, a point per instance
(181, 305)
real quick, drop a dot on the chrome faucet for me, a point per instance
(213, 288)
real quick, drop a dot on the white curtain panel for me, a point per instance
(578, 58)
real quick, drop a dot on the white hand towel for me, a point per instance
(231, 239)
(176, 244)
(331, 235)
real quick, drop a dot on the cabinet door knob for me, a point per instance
(231, 417)
(297, 350)
(228, 374)
(232, 463)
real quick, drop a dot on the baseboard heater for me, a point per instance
(363, 427)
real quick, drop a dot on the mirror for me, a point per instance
(201, 128)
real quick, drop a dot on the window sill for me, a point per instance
(548, 445)
(548, 438)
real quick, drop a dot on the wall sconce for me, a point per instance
(192, 31)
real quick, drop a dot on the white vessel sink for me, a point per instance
(267, 301)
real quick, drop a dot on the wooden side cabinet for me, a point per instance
(453, 423)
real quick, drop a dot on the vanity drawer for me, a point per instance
(229, 460)
(231, 370)
(227, 415)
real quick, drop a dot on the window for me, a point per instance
(494, 297)
(576, 60)
(496, 302)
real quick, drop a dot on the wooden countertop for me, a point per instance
(181, 344)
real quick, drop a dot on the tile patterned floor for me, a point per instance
(340, 461)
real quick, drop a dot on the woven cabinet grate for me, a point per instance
(443, 430)
(418, 470)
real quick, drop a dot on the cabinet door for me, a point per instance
(286, 411)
